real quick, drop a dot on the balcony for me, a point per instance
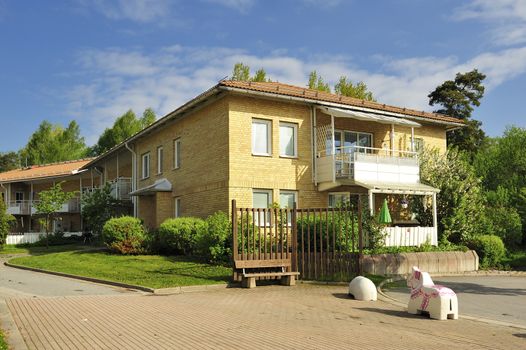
(21, 208)
(72, 206)
(355, 164)
(121, 188)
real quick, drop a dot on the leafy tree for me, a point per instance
(359, 90)
(458, 98)
(124, 126)
(9, 161)
(317, 83)
(52, 143)
(50, 203)
(460, 200)
(98, 207)
(6, 220)
(241, 72)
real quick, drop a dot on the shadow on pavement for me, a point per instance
(474, 288)
(395, 313)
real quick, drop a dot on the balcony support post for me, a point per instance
(80, 203)
(30, 206)
(412, 139)
(371, 202)
(435, 221)
(392, 140)
(333, 151)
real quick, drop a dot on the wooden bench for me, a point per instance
(278, 268)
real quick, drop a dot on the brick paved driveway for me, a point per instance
(305, 316)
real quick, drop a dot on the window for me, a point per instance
(419, 144)
(145, 165)
(159, 160)
(262, 199)
(177, 207)
(19, 197)
(288, 140)
(287, 199)
(177, 153)
(337, 199)
(261, 137)
(345, 141)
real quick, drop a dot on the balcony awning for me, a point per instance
(161, 185)
(367, 116)
(397, 188)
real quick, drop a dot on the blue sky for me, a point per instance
(91, 60)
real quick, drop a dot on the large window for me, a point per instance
(177, 207)
(349, 141)
(337, 199)
(159, 160)
(145, 165)
(288, 140)
(177, 153)
(419, 144)
(287, 199)
(261, 139)
(262, 199)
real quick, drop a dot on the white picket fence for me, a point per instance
(410, 236)
(32, 237)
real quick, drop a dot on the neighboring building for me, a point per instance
(261, 143)
(20, 189)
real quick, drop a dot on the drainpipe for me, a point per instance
(134, 179)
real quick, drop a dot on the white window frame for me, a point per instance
(348, 194)
(160, 160)
(294, 127)
(177, 153)
(294, 193)
(268, 123)
(270, 197)
(145, 171)
(177, 207)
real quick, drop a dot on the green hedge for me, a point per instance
(124, 235)
(180, 235)
(490, 250)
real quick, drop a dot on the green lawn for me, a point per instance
(3, 344)
(151, 271)
(34, 250)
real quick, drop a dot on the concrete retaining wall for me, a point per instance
(432, 262)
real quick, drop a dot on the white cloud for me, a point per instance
(135, 10)
(116, 80)
(506, 18)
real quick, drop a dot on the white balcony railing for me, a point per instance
(121, 188)
(28, 207)
(368, 164)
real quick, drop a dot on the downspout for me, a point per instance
(313, 137)
(134, 178)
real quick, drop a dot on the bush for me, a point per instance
(504, 222)
(124, 235)
(489, 248)
(180, 235)
(58, 238)
(215, 242)
(6, 220)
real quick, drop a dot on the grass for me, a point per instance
(153, 271)
(12, 249)
(515, 260)
(3, 343)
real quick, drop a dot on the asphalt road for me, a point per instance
(22, 283)
(501, 298)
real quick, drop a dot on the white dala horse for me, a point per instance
(439, 301)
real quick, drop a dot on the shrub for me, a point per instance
(58, 238)
(180, 235)
(504, 222)
(489, 248)
(6, 220)
(124, 235)
(215, 241)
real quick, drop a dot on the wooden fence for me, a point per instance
(320, 243)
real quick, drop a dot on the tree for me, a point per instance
(9, 161)
(98, 207)
(52, 143)
(124, 126)
(359, 90)
(51, 201)
(6, 220)
(458, 98)
(460, 201)
(317, 83)
(241, 72)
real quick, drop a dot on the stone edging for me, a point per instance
(398, 303)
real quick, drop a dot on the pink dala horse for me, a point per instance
(439, 301)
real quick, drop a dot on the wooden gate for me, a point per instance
(321, 243)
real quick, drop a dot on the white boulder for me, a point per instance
(362, 288)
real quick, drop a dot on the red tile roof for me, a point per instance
(44, 171)
(301, 92)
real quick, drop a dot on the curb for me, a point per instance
(398, 303)
(12, 334)
(192, 289)
(83, 278)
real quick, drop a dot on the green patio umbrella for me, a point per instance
(384, 217)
